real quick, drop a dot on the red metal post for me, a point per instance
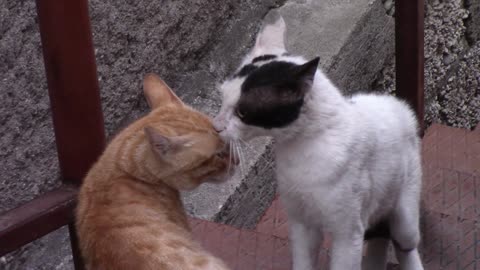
(409, 57)
(72, 85)
(73, 89)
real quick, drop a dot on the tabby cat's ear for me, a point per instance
(158, 93)
(270, 40)
(165, 146)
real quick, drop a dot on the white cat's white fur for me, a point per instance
(343, 165)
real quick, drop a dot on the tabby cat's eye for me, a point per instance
(239, 113)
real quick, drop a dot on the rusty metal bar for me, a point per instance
(409, 57)
(36, 218)
(72, 83)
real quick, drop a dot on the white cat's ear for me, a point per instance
(306, 73)
(165, 146)
(308, 69)
(271, 39)
(158, 93)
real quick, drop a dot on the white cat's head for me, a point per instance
(266, 94)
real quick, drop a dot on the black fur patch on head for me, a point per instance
(247, 69)
(264, 57)
(272, 95)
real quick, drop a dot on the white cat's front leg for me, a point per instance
(347, 251)
(305, 242)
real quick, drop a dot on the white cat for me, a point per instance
(347, 166)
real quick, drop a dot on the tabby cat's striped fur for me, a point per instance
(130, 216)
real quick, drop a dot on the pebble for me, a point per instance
(448, 59)
(388, 4)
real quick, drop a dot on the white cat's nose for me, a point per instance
(219, 124)
(218, 128)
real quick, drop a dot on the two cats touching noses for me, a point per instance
(347, 166)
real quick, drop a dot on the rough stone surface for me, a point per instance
(340, 32)
(459, 97)
(473, 21)
(452, 69)
(28, 165)
(51, 252)
(364, 52)
(256, 191)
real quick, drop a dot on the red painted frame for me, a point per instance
(409, 54)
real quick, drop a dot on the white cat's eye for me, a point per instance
(239, 113)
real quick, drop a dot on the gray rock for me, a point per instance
(448, 59)
(389, 6)
(51, 252)
(473, 21)
(459, 98)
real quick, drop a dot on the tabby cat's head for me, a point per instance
(183, 148)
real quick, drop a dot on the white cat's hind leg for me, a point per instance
(376, 257)
(409, 260)
(405, 230)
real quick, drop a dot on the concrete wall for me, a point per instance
(172, 38)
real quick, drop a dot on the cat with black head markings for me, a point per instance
(347, 166)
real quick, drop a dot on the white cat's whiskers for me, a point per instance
(230, 159)
(267, 163)
(241, 158)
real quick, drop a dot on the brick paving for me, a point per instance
(450, 214)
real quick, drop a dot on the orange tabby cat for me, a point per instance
(130, 216)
